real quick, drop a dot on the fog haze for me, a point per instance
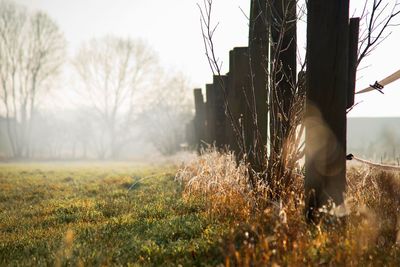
(171, 29)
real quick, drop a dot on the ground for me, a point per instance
(93, 214)
(129, 214)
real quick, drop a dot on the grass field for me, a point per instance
(124, 214)
(85, 215)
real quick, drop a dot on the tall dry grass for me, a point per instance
(216, 178)
(265, 231)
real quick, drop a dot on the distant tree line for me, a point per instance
(122, 95)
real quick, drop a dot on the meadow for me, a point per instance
(101, 214)
(201, 213)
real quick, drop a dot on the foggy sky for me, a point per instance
(172, 28)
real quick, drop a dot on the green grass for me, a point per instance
(84, 215)
(122, 214)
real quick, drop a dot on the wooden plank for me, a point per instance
(327, 82)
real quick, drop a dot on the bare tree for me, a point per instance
(168, 109)
(32, 50)
(112, 70)
(377, 19)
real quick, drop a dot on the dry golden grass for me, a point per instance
(216, 178)
(265, 232)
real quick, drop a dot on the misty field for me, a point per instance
(85, 215)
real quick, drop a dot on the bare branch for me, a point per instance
(377, 23)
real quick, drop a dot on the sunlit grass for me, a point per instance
(85, 214)
(93, 214)
(265, 232)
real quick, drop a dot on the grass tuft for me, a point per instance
(270, 232)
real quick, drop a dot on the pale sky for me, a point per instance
(172, 29)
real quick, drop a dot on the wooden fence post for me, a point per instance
(210, 114)
(189, 132)
(220, 119)
(256, 113)
(284, 47)
(199, 118)
(237, 83)
(327, 86)
(354, 29)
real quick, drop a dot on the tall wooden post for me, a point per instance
(327, 83)
(199, 119)
(210, 114)
(354, 29)
(220, 119)
(189, 133)
(237, 83)
(284, 47)
(256, 112)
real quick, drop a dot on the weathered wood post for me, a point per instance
(220, 118)
(327, 86)
(199, 118)
(189, 132)
(238, 78)
(256, 112)
(210, 114)
(284, 70)
(354, 29)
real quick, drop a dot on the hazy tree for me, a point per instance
(112, 69)
(169, 108)
(50, 135)
(65, 134)
(32, 50)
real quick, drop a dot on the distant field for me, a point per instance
(83, 214)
